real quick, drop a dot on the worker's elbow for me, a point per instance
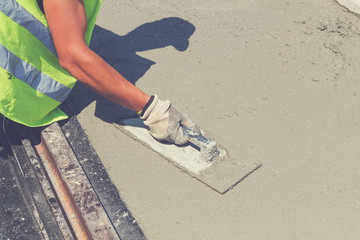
(69, 58)
(67, 63)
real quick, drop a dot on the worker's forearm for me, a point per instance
(94, 72)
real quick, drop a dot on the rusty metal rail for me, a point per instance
(68, 199)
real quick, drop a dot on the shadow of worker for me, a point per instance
(121, 53)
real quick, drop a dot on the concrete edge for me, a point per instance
(351, 5)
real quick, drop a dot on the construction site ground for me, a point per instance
(278, 80)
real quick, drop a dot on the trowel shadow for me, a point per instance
(121, 53)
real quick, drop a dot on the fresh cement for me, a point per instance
(276, 79)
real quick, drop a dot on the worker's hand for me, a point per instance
(164, 121)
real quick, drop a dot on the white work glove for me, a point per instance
(164, 121)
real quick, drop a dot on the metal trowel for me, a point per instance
(203, 158)
(207, 147)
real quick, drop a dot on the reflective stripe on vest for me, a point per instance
(22, 17)
(31, 76)
(22, 70)
(32, 82)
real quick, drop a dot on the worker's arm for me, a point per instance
(67, 22)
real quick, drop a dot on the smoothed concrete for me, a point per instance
(276, 79)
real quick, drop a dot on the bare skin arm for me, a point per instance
(67, 22)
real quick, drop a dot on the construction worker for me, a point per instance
(44, 50)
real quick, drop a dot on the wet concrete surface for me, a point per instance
(276, 79)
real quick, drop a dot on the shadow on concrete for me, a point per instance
(121, 53)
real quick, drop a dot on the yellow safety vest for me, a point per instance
(32, 82)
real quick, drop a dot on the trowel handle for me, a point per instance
(195, 138)
(198, 139)
(208, 147)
